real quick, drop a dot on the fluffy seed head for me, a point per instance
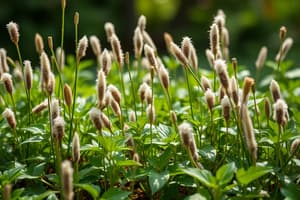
(193, 59)
(261, 58)
(275, 90)
(148, 96)
(13, 31)
(115, 107)
(10, 118)
(142, 23)
(281, 115)
(50, 42)
(95, 116)
(186, 46)
(210, 99)
(54, 109)
(221, 69)
(7, 192)
(17, 73)
(40, 107)
(101, 86)
(76, 148)
(117, 51)
(234, 65)
(176, 51)
(105, 62)
(142, 90)
(67, 180)
(115, 93)
(3, 61)
(205, 83)
(210, 58)
(27, 74)
(214, 39)
(60, 57)
(105, 121)
(186, 133)
(226, 108)
(68, 95)
(76, 18)
(225, 37)
(132, 116)
(82, 46)
(51, 84)
(109, 30)
(248, 131)
(248, 84)
(45, 69)
(63, 4)
(173, 116)
(6, 79)
(168, 40)
(193, 149)
(39, 44)
(164, 77)
(148, 40)
(138, 42)
(136, 157)
(294, 146)
(282, 33)
(151, 113)
(149, 53)
(234, 88)
(286, 45)
(95, 44)
(58, 128)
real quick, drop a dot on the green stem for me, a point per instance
(123, 89)
(190, 93)
(50, 126)
(278, 146)
(133, 92)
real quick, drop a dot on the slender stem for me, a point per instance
(123, 89)
(256, 111)
(50, 126)
(190, 93)
(278, 146)
(58, 163)
(133, 91)
(62, 33)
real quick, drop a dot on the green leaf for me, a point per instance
(204, 176)
(84, 172)
(225, 173)
(245, 177)
(33, 139)
(93, 190)
(158, 180)
(196, 196)
(115, 194)
(123, 163)
(291, 191)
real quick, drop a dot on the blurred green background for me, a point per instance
(251, 23)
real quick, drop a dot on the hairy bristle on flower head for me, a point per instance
(205, 83)
(54, 109)
(150, 54)
(186, 46)
(68, 95)
(105, 61)
(248, 83)
(210, 58)
(261, 58)
(115, 106)
(210, 99)
(275, 90)
(282, 33)
(142, 90)
(50, 42)
(60, 57)
(109, 30)
(225, 37)
(40, 107)
(214, 39)
(186, 133)
(82, 46)
(138, 42)
(267, 106)
(10, 118)
(39, 43)
(105, 121)
(7, 80)
(132, 116)
(117, 51)
(248, 132)
(148, 40)
(234, 88)
(45, 69)
(95, 44)
(67, 180)
(221, 69)
(101, 86)
(150, 111)
(294, 146)
(115, 93)
(27, 74)
(281, 115)
(76, 148)
(142, 23)
(95, 116)
(178, 54)
(58, 129)
(51, 84)
(13, 31)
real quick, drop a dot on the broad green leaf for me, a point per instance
(123, 163)
(208, 152)
(247, 176)
(33, 139)
(34, 130)
(196, 196)
(93, 190)
(294, 73)
(291, 191)
(204, 176)
(115, 194)
(225, 173)
(158, 180)
(84, 172)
